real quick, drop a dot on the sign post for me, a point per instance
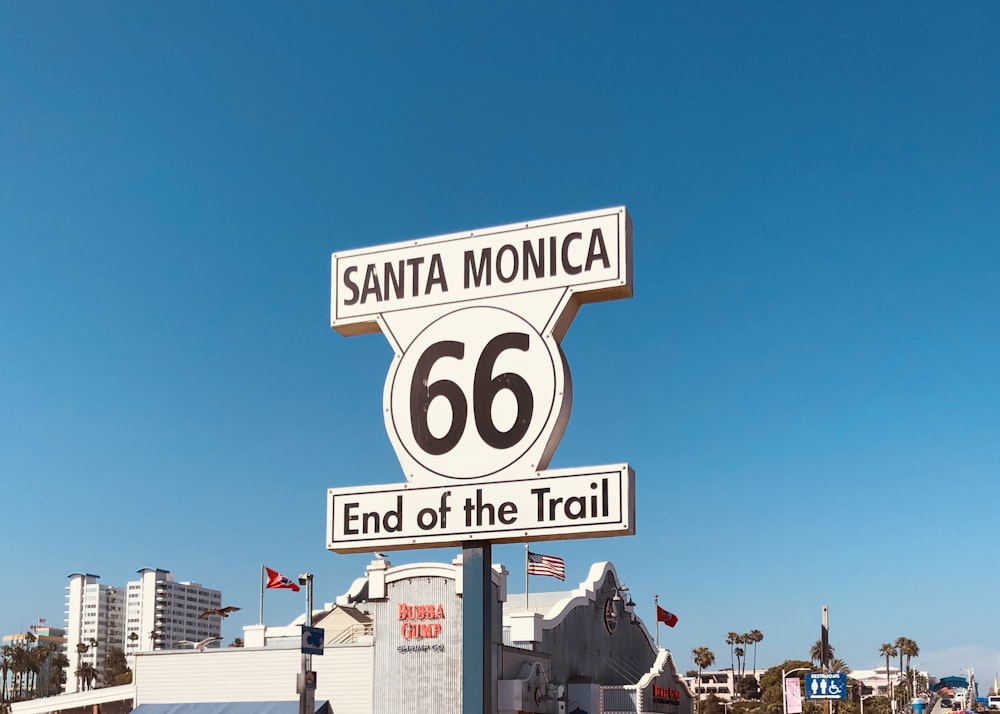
(478, 396)
(311, 637)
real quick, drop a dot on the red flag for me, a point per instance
(277, 580)
(667, 618)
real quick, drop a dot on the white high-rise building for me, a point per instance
(94, 621)
(160, 612)
(153, 613)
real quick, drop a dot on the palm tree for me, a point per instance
(34, 662)
(81, 650)
(6, 660)
(731, 639)
(887, 650)
(739, 659)
(57, 675)
(911, 649)
(19, 668)
(744, 640)
(755, 637)
(839, 666)
(900, 644)
(817, 655)
(703, 657)
(87, 674)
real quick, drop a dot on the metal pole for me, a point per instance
(478, 688)
(784, 691)
(656, 613)
(525, 576)
(304, 694)
(260, 619)
(784, 695)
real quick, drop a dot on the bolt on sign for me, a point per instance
(478, 394)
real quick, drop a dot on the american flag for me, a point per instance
(550, 565)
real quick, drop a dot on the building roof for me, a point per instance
(289, 707)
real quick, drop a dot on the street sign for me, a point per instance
(312, 640)
(566, 502)
(478, 394)
(305, 682)
(826, 686)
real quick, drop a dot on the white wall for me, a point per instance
(344, 675)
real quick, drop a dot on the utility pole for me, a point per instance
(307, 695)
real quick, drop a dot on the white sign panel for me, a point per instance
(561, 503)
(588, 252)
(478, 391)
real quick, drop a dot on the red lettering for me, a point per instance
(421, 612)
(420, 631)
(668, 693)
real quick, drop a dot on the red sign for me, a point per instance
(668, 695)
(415, 625)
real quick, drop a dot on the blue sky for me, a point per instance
(805, 381)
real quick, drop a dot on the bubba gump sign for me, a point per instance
(419, 622)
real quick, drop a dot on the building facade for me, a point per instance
(154, 612)
(721, 683)
(163, 614)
(393, 643)
(47, 680)
(94, 622)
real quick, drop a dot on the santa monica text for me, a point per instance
(586, 253)
(531, 261)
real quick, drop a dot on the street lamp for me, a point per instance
(618, 595)
(629, 606)
(784, 692)
(970, 691)
(863, 698)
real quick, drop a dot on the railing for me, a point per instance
(350, 634)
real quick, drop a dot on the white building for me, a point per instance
(161, 612)
(879, 680)
(153, 613)
(94, 622)
(721, 683)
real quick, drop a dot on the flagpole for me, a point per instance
(525, 576)
(260, 620)
(656, 602)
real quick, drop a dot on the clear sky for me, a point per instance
(806, 381)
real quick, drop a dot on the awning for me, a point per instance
(291, 707)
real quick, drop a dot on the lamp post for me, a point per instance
(863, 698)
(306, 695)
(784, 693)
(970, 691)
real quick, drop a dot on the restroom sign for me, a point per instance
(478, 389)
